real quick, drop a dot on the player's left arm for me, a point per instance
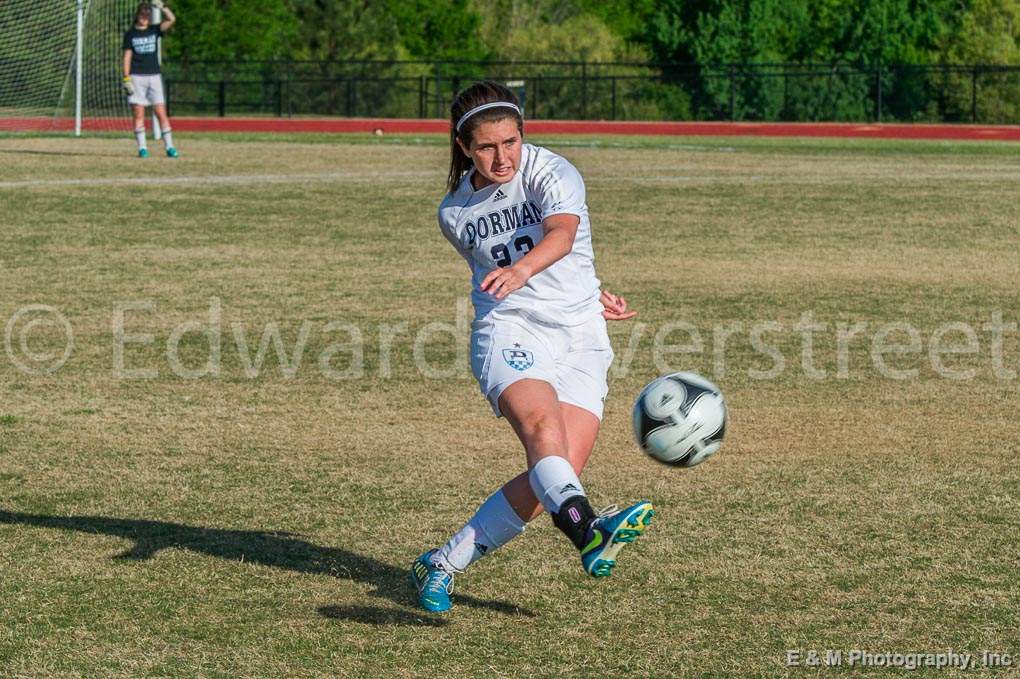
(560, 230)
(615, 307)
(169, 19)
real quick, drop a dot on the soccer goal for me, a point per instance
(60, 65)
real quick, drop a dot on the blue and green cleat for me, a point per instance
(172, 153)
(143, 153)
(434, 584)
(608, 534)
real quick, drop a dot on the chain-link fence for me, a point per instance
(604, 91)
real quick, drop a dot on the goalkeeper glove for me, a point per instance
(128, 85)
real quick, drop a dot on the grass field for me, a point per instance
(188, 511)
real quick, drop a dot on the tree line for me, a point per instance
(685, 31)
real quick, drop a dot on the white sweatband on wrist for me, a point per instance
(484, 107)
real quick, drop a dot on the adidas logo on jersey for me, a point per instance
(498, 196)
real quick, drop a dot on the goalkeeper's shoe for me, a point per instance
(143, 153)
(172, 153)
(434, 583)
(609, 533)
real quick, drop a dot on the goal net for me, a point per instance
(39, 51)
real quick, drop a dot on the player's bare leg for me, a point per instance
(599, 538)
(559, 437)
(167, 132)
(581, 429)
(139, 121)
(532, 408)
(534, 411)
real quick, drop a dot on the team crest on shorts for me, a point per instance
(518, 359)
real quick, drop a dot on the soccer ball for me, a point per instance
(680, 419)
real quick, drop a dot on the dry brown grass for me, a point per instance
(272, 518)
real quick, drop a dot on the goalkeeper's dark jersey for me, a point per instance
(142, 43)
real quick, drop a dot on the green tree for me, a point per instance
(332, 30)
(231, 31)
(988, 33)
(868, 32)
(837, 33)
(672, 28)
(557, 32)
(626, 18)
(349, 46)
(439, 30)
(822, 31)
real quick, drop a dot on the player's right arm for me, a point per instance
(126, 47)
(560, 231)
(560, 190)
(127, 83)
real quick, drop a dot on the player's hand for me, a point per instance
(128, 85)
(158, 4)
(501, 282)
(616, 307)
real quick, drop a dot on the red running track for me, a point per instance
(431, 126)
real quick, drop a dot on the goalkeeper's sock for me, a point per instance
(168, 138)
(140, 138)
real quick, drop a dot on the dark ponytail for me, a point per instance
(485, 92)
(144, 8)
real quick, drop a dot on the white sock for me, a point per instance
(554, 482)
(168, 139)
(493, 525)
(140, 137)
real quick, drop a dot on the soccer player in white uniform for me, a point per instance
(539, 347)
(142, 80)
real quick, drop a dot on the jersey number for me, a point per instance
(501, 253)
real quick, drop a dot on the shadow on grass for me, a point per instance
(383, 617)
(279, 550)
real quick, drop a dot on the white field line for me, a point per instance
(348, 177)
(362, 177)
(355, 177)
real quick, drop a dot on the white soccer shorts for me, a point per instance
(148, 90)
(509, 346)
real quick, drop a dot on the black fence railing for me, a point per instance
(604, 91)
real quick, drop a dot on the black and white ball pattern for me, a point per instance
(680, 419)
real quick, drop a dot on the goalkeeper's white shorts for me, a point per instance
(148, 90)
(507, 346)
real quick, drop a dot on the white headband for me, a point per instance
(479, 109)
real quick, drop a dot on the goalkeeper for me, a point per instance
(142, 81)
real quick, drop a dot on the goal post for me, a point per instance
(60, 65)
(78, 51)
(157, 17)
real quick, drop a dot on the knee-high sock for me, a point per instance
(554, 482)
(168, 138)
(140, 137)
(494, 524)
(560, 491)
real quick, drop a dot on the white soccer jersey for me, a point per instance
(497, 225)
